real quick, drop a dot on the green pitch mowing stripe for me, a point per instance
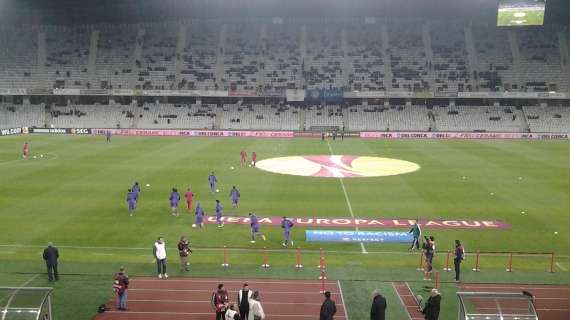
(358, 299)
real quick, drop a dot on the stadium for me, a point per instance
(408, 159)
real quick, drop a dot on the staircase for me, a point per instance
(346, 70)
(387, 57)
(180, 45)
(92, 59)
(303, 52)
(426, 37)
(220, 57)
(138, 55)
(472, 61)
(261, 58)
(564, 57)
(42, 58)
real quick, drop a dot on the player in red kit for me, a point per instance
(189, 195)
(253, 158)
(243, 158)
(25, 150)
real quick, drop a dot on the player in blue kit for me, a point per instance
(213, 181)
(131, 201)
(254, 224)
(235, 195)
(219, 214)
(174, 199)
(136, 189)
(287, 225)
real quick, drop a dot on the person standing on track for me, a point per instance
(159, 252)
(184, 251)
(51, 255)
(255, 308)
(235, 195)
(432, 306)
(189, 195)
(328, 308)
(122, 286)
(378, 309)
(108, 135)
(459, 257)
(243, 300)
(220, 301)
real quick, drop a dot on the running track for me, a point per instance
(189, 298)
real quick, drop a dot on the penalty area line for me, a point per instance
(348, 204)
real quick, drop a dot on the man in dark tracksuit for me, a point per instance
(378, 309)
(328, 308)
(459, 256)
(431, 308)
(50, 256)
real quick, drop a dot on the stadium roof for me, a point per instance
(131, 11)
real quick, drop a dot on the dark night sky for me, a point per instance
(94, 11)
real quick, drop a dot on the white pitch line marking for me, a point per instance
(347, 200)
(561, 267)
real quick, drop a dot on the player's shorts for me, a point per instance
(174, 204)
(132, 205)
(255, 229)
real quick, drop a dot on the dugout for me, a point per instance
(22, 303)
(496, 306)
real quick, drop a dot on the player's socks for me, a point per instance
(160, 275)
(263, 237)
(252, 241)
(165, 276)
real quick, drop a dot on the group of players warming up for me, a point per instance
(174, 198)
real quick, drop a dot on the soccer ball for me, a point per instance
(217, 190)
(193, 225)
(148, 184)
(232, 168)
(250, 165)
(41, 155)
(35, 157)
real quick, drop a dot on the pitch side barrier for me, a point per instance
(463, 135)
(286, 134)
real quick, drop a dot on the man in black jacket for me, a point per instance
(431, 308)
(50, 256)
(328, 308)
(378, 310)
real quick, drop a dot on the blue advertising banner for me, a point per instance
(358, 236)
(326, 96)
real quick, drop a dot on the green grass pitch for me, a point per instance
(75, 197)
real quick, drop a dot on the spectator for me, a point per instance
(184, 250)
(220, 302)
(159, 252)
(51, 255)
(122, 282)
(244, 297)
(328, 308)
(232, 314)
(431, 308)
(459, 257)
(378, 310)
(255, 308)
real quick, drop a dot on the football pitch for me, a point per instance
(73, 193)
(520, 17)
